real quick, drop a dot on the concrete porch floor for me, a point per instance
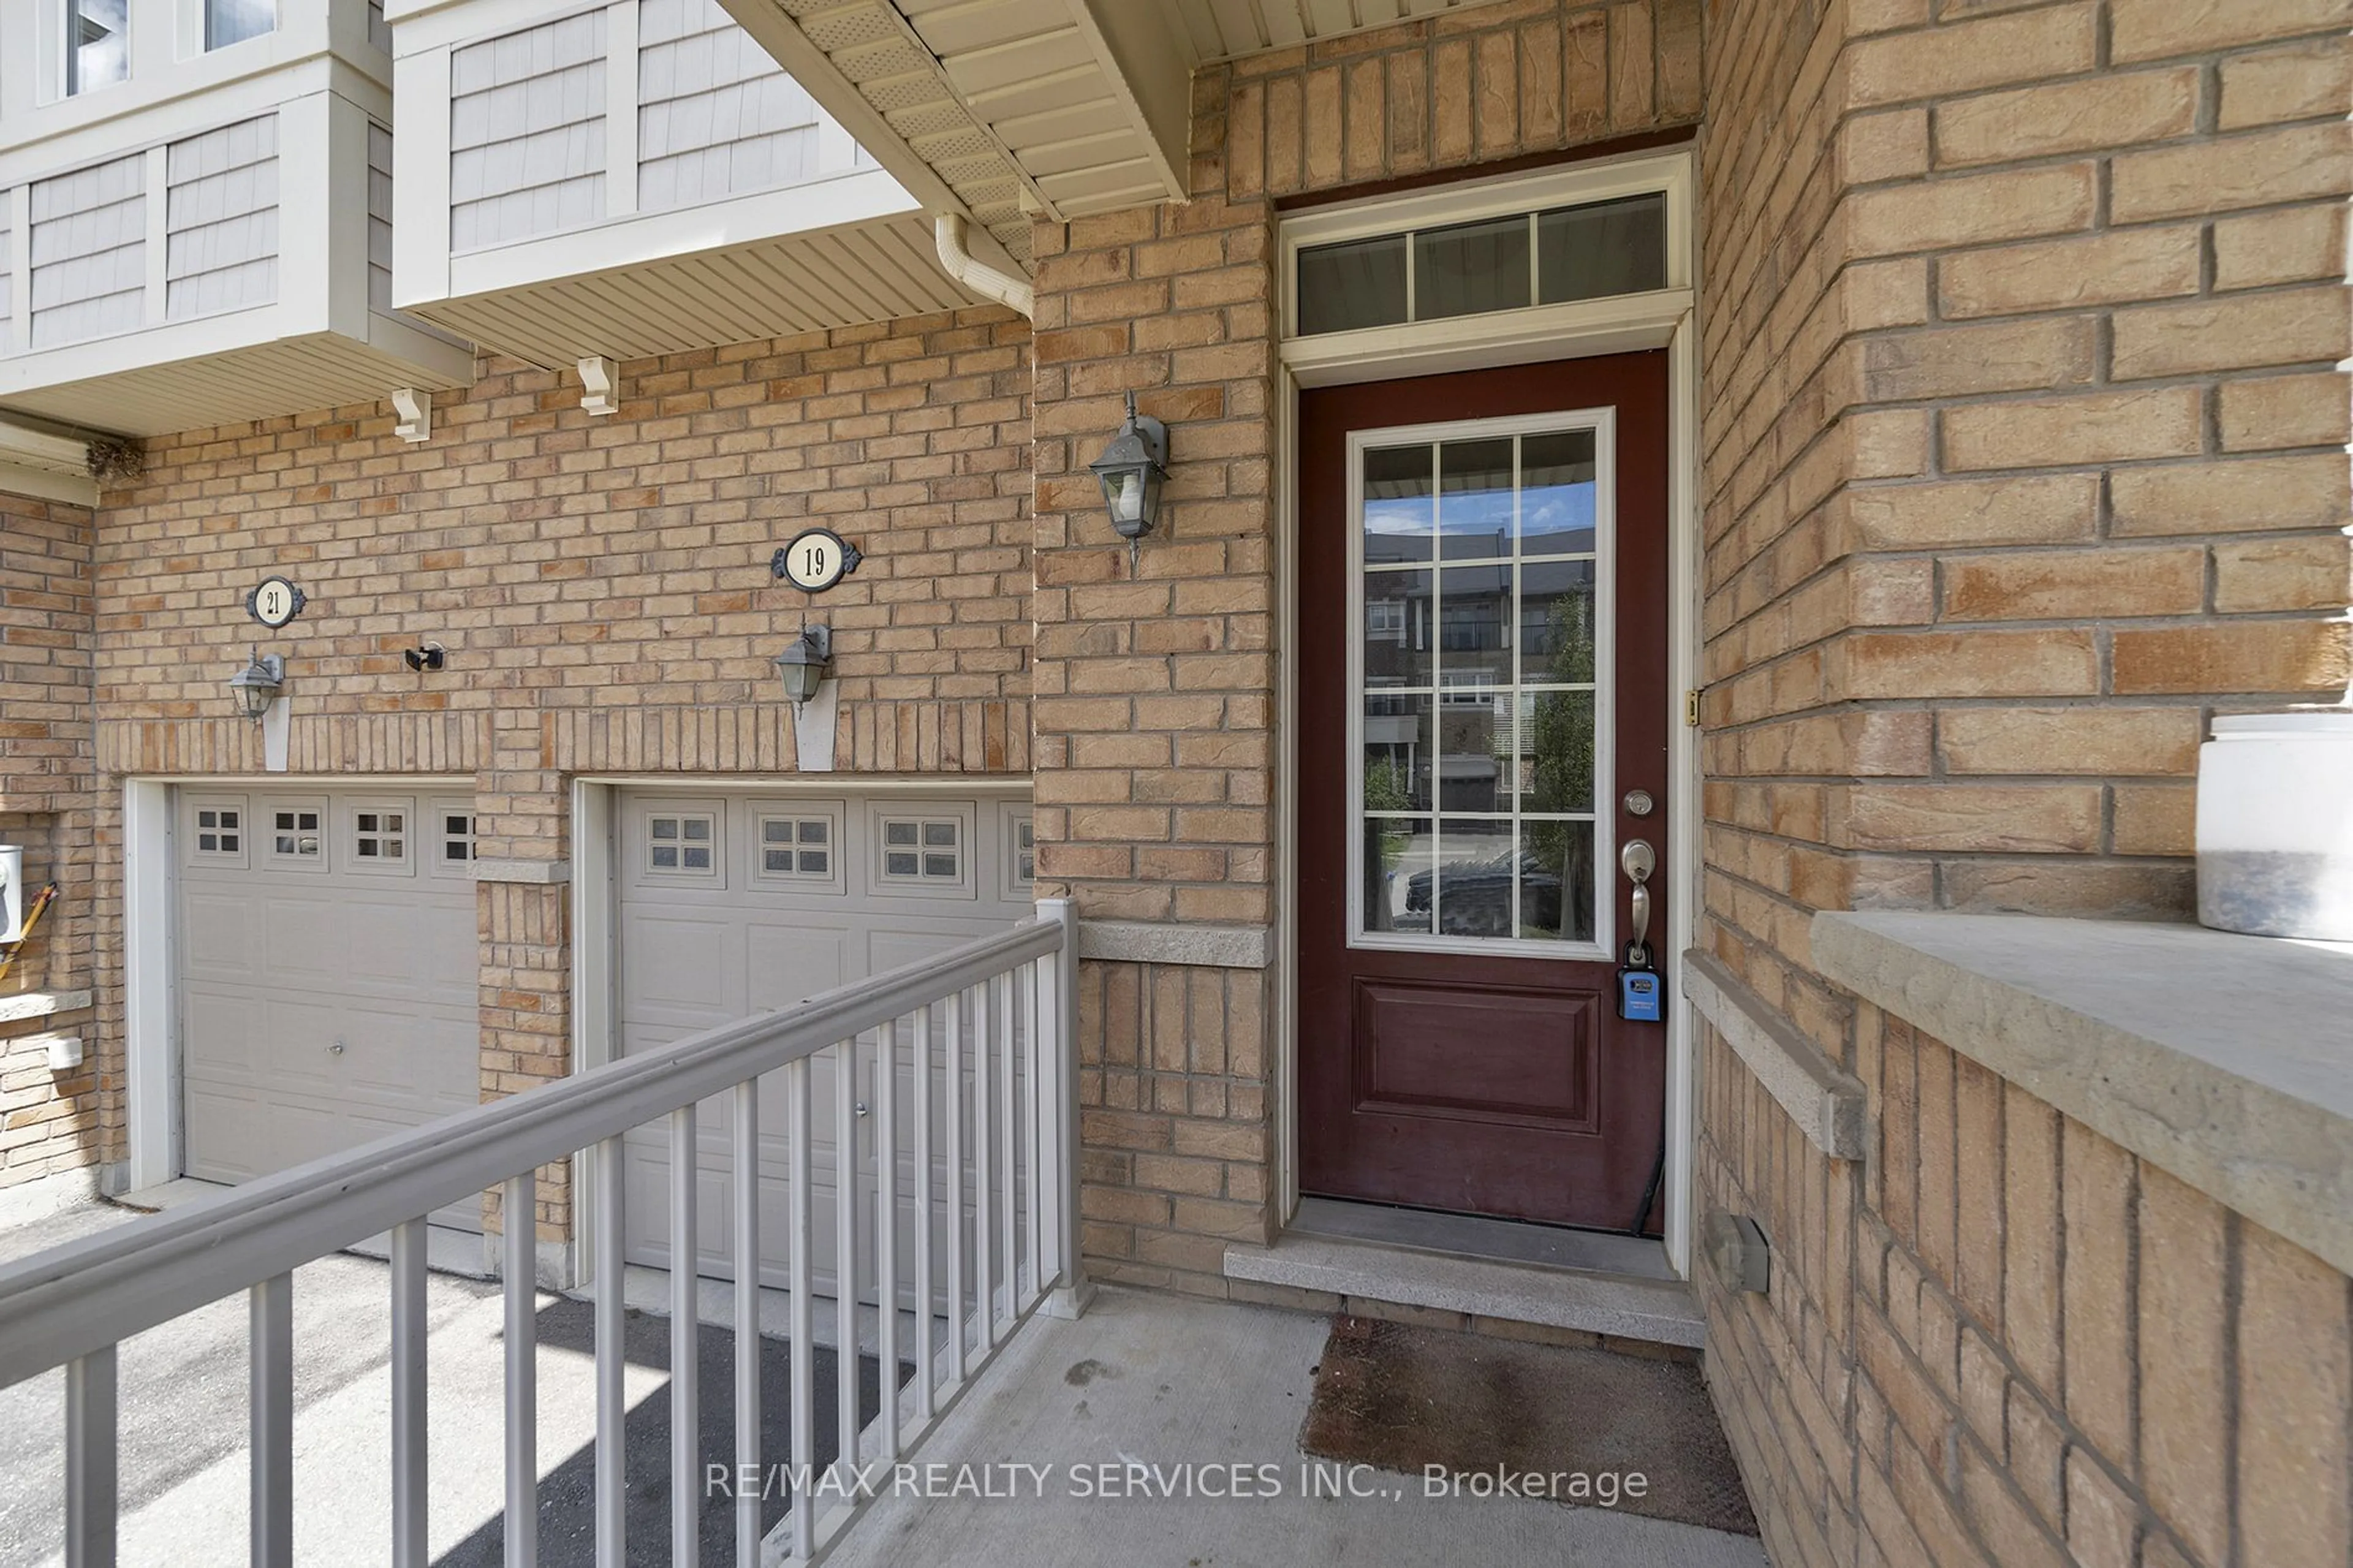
(1172, 1380)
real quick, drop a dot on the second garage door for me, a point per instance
(329, 980)
(737, 904)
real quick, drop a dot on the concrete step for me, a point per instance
(1620, 1305)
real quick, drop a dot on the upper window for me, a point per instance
(97, 43)
(1548, 257)
(801, 846)
(230, 21)
(294, 836)
(683, 843)
(379, 838)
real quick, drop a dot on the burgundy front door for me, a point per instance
(1483, 692)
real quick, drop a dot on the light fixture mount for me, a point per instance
(258, 684)
(1130, 470)
(805, 662)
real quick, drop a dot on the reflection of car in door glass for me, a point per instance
(1478, 901)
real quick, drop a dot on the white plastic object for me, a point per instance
(65, 1052)
(2276, 824)
(12, 894)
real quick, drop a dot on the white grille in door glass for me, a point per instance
(1479, 666)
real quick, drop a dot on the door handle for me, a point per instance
(1640, 860)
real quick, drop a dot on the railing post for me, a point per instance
(612, 1322)
(411, 1484)
(1058, 1103)
(91, 1498)
(519, 1213)
(271, 1351)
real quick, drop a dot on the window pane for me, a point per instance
(813, 831)
(1396, 630)
(1397, 855)
(1555, 875)
(1474, 500)
(234, 21)
(1474, 605)
(1474, 738)
(775, 830)
(939, 832)
(898, 833)
(1360, 283)
(96, 51)
(1397, 753)
(1474, 873)
(1470, 267)
(1397, 516)
(1556, 478)
(1556, 622)
(1611, 247)
(1558, 734)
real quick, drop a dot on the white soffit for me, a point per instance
(1009, 107)
(1222, 29)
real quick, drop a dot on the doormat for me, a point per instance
(1585, 1422)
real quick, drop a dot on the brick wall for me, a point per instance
(49, 1123)
(2023, 444)
(2001, 1338)
(1156, 686)
(603, 590)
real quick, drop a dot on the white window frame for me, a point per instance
(308, 865)
(347, 827)
(435, 811)
(830, 812)
(193, 854)
(715, 875)
(1012, 816)
(966, 884)
(1603, 421)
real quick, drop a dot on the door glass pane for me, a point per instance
(1398, 515)
(1470, 267)
(1556, 479)
(1398, 759)
(1360, 283)
(1556, 767)
(1397, 851)
(1478, 675)
(1557, 614)
(1556, 874)
(1396, 630)
(1608, 248)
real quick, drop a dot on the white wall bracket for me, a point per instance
(412, 409)
(600, 381)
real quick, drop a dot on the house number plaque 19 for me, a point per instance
(815, 560)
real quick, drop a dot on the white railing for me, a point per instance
(1001, 1009)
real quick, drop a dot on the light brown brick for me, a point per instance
(2150, 30)
(2270, 413)
(2227, 174)
(2099, 1200)
(2295, 1382)
(1971, 55)
(2257, 494)
(2094, 427)
(1967, 663)
(2315, 573)
(2299, 81)
(2252, 330)
(2097, 113)
(2053, 819)
(2130, 264)
(2028, 509)
(2154, 819)
(2183, 1363)
(2066, 584)
(2252, 657)
(1977, 209)
(2293, 245)
(2094, 741)
(2003, 356)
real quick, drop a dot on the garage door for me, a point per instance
(328, 973)
(732, 905)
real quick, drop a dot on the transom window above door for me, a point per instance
(1551, 256)
(1480, 660)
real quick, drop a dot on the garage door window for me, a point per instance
(1020, 852)
(922, 850)
(219, 832)
(682, 844)
(801, 846)
(456, 837)
(294, 836)
(380, 838)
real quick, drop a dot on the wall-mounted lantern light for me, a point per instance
(804, 662)
(1129, 471)
(258, 684)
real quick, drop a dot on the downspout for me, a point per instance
(978, 276)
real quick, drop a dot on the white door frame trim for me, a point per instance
(1667, 320)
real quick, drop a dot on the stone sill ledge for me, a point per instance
(2226, 1061)
(25, 1004)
